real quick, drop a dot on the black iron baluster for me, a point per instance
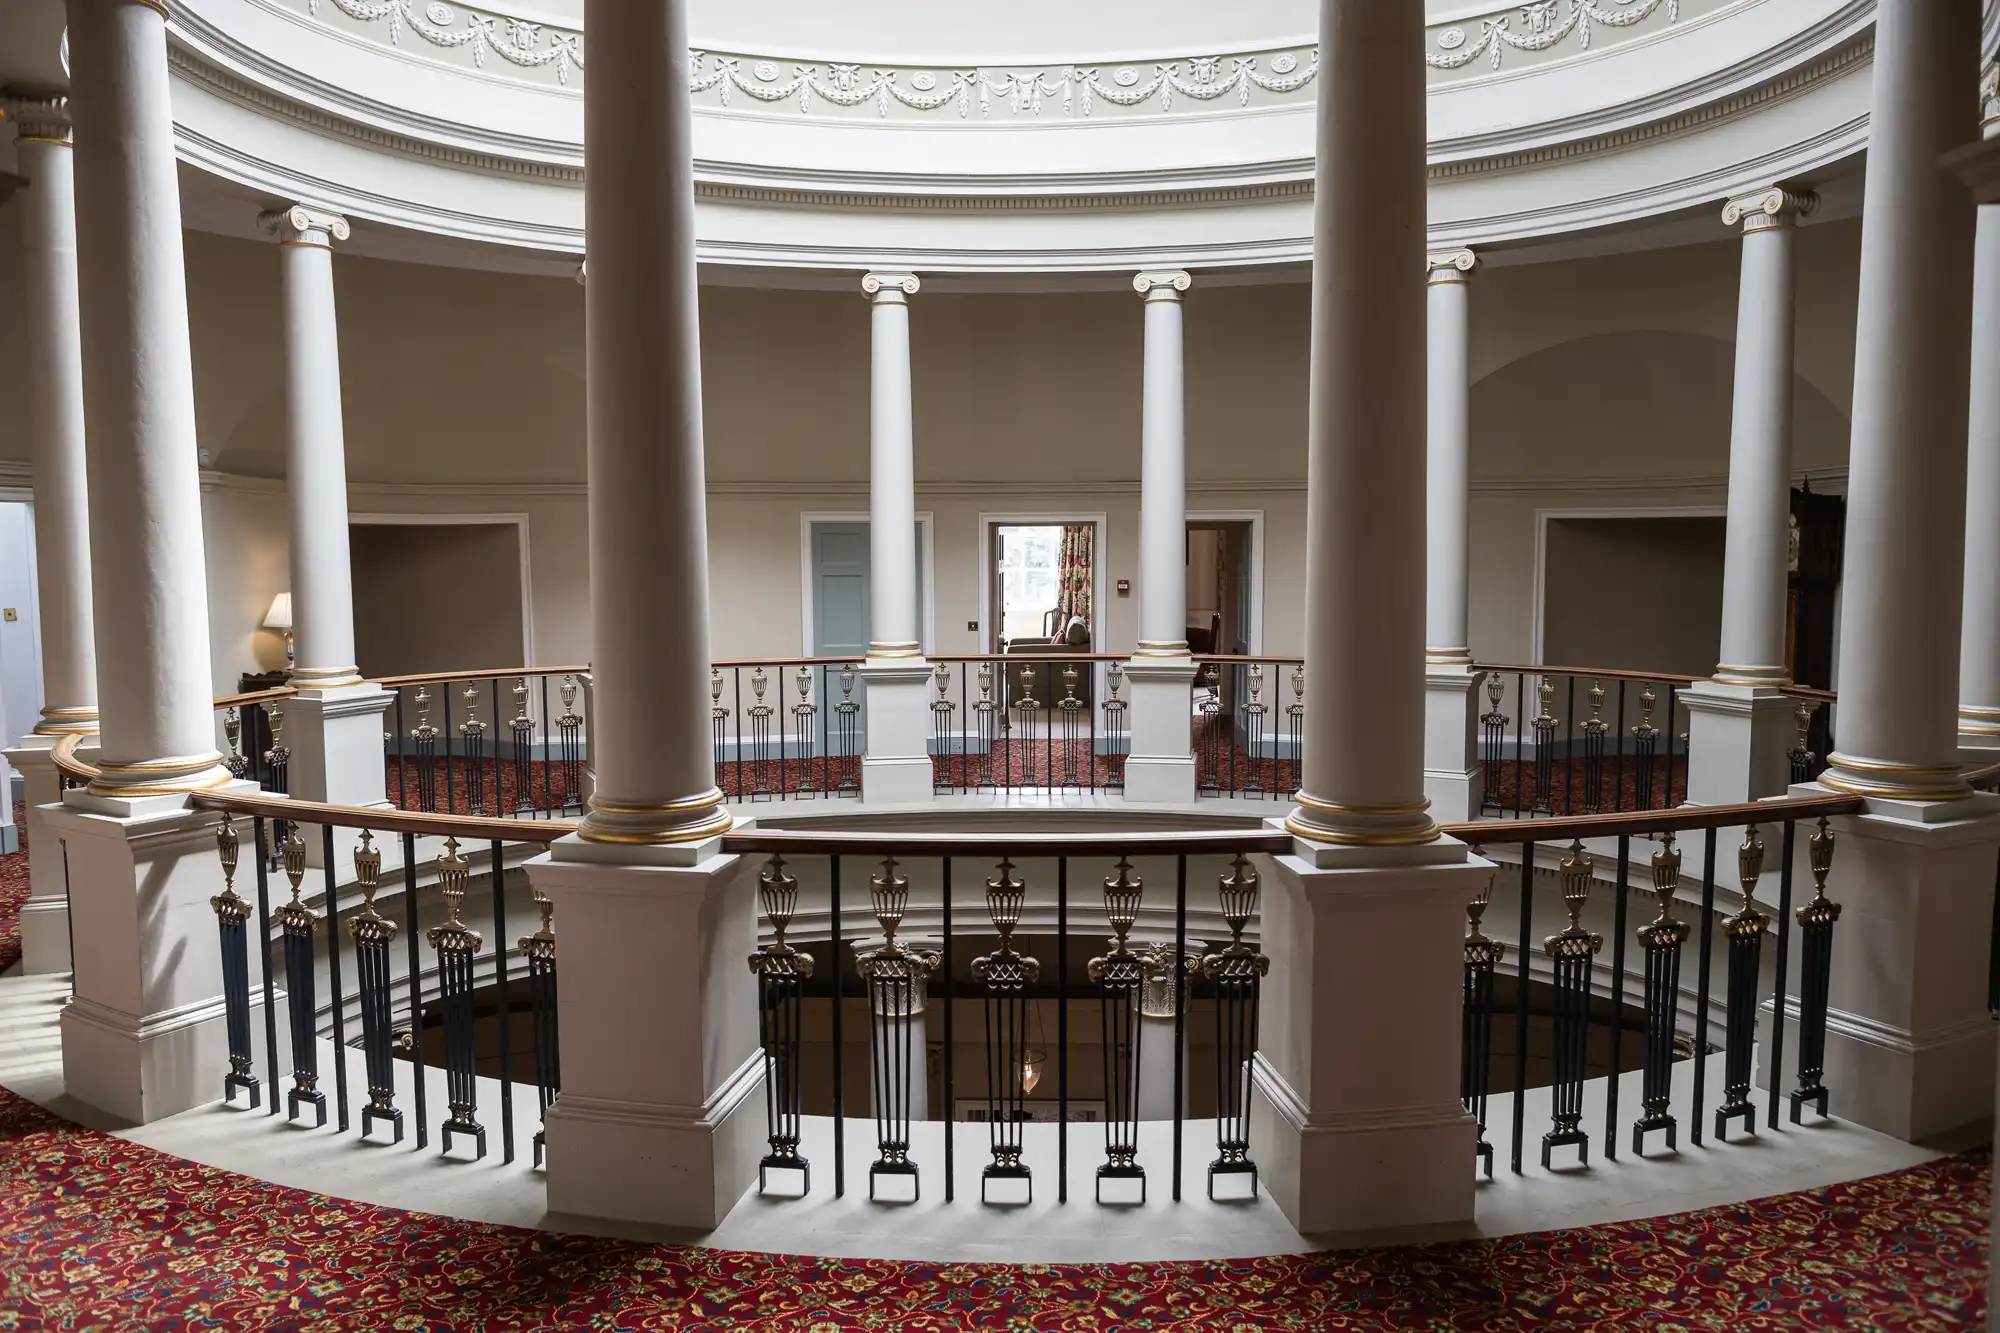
(1594, 730)
(1746, 941)
(1783, 921)
(523, 728)
(231, 915)
(1801, 754)
(333, 976)
(1521, 984)
(472, 732)
(1702, 980)
(297, 922)
(1253, 728)
(1617, 996)
(761, 713)
(1668, 799)
(1121, 973)
(782, 972)
(570, 727)
(1180, 994)
(1662, 939)
(502, 807)
(1645, 741)
(263, 954)
(456, 946)
(1237, 972)
(1006, 974)
(277, 769)
(423, 740)
(1618, 779)
(1492, 745)
(1571, 951)
(850, 731)
(719, 723)
(1062, 1029)
(1208, 769)
(1295, 711)
(1520, 742)
(548, 798)
(1545, 750)
(373, 933)
(1117, 734)
(839, 1023)
(414, 980)
(942, 709)
(450, 785)
(1816, 920)
(1569, 749)
(950, 1116)
(1475, 1068)
(896, 978)
(500, 983)
(540, 951)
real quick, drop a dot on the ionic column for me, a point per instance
(62, 523)
(1910, 1043)
(1160, 766)
(896, 765)
(1979, 654)
(1897, 731)
(661, 1066)
(334, 726)
(1451, 710)
(1740, 725)
(1363, 1119)
(146, 1024)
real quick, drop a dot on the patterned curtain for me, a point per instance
(1073, 571)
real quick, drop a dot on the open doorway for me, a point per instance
(439, 596)
(1040, 597)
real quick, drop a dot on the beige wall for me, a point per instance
(1600, 384)
(1642, 593)
(436, 596)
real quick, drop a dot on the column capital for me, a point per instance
(1773, 206)
(1450, 265)
(581, 266)
(1989, 102)
(1162, 284)
(40, 115)
(891, 287)
(302, 224)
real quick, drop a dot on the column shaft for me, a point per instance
(1760, 444)
(1163, 472)
(150, 585)
(1364, 639)
(893, 630)
(55, 414)
(1979, 653)
(1448, 453)
(648, 503)
(315, 450)
(1898, 725)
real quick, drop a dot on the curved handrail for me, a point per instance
(1482, 832)
(491, 673)
(63, 756)
(1607, 673)
(801, 842)
(384, 819)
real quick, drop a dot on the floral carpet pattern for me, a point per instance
(13, 893)
(100, 1234)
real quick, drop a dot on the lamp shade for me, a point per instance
(280, 614)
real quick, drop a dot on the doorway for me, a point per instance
(839, 606)
(1041, 581)
(1221, 582)
(1638, 591)
(20, 632)
(439, 596)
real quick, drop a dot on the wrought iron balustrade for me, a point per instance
(1008, 924)
(1570, 1002)
(787, 729)
(1249, 726)
(1030, 722)
(1567, 741)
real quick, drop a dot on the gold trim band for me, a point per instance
(44, 138)
(721, 823)
(98, 788)
(699, 801)
(1408, 838)
(194, 763)
(1750, 675)
(1336, 808)
(326, 673)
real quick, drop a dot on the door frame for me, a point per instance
(1255, 518)
(1042, 518)
(927, 575)
(25, 497)
(517, 521)
(1539, 590)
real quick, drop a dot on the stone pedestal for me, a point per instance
(660, 1118)
(1739, 742)
(1355, 1115)
(1909, 1046)
(1160, 764)
(335, 736)
(897, 762)
(1453, 779)
(45, 916)
(143, 1037)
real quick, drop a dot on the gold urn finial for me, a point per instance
(889, 895)
(1004, 897)
(368, 872)
(1666, 873)
(1575, 871)
(1122, 894)
(1750, 861)
(229, 846)
(453, 873)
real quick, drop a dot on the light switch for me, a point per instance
(9, 614)
(972, 625)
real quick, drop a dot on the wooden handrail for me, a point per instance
(1246, 659)
(495, 673)
(63, 756)
(384, 819)
(801, 842)
(1486, 832)
(1588, 673)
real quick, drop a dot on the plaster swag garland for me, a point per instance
(1077, 89)
(1544, 25)
(517, 41)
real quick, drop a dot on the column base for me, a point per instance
(1909, 1047)
(658, 1118)
(144, 1035)
(1453, 778)
(1160, 766)
(896, 763)
(1358, 1124)
(45, 916)
(1739, 742)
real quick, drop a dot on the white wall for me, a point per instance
(1600, 383)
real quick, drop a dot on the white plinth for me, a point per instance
(1909, 1046)
(143, 1037)
(1160, 764)
(1739, 742)
(659, 1118)
(897, 764)
(1452, 777)
(45, 916)
(1355, 1104)
(335, 737)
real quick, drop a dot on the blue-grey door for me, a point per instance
(840, 588)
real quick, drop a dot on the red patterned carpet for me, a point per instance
(13, 892)
(100, 1234)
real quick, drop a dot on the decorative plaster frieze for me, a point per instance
(505, 45)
